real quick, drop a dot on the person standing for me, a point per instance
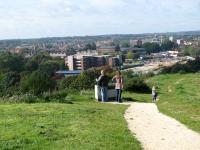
(103, 83)
(154, 94)
(118, 86)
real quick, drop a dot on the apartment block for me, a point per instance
(87, 62)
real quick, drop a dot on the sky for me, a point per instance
(58, 18)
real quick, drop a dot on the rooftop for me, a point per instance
(69, 72)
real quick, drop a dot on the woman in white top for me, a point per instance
(118, 86)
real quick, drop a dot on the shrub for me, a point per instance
(136, 85)
(84, 81)
(37, 83)
(58, 96)
(49, 67)
(67, 82)
(10, 62)
(9, 83)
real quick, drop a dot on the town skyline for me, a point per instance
(108, 35)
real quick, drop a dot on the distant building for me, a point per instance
(60, 54)
(18, 50)
(188, 43)
(171, 38)
(137, 43)
(173, 53)
(156, 40)
(146, 40)
(87, 62)
(105, 43)
(140, 51)
(114, 62)
(87, 53)
(106, 50)
(73, 63)
(68, 73)
(180, 42)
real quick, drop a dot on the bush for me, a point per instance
(59, 96)
(37, 83)
(10, 62)
(9, 83)
(84, 81)
(49, 67)
(136, 85)
(67, 82)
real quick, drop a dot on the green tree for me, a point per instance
(8, 82)
(130, 55)
(191, 51)
(31, 65)
(125, 44)
(152, 47)
(11, 62)
(37, 83)
(67, 82)
(49, 67)
(41, 57)
(168, 45)
(93, 46)
(90, 46)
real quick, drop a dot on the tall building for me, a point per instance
(139, 43)
(73, 63)
(87, 62)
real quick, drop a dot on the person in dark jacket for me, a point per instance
(103, 83)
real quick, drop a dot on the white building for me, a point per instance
(171, 38)
(180, 41)
(58, 54)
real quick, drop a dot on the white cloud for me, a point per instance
(107, 3)
(37, 18)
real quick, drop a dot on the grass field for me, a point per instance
(179, 97)
(87, 125)
(83, 125)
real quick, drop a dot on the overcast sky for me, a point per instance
(49, 18)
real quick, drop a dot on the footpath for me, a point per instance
(157, 131)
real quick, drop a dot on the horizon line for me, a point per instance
(74, 36)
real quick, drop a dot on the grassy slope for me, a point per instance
(179, 97)
(84, 125)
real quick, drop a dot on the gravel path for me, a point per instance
(157, 131)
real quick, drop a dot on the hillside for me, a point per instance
(179, 97)
(83, 125)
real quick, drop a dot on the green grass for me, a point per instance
(179, 97)
(136, 97)
(83, 125)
